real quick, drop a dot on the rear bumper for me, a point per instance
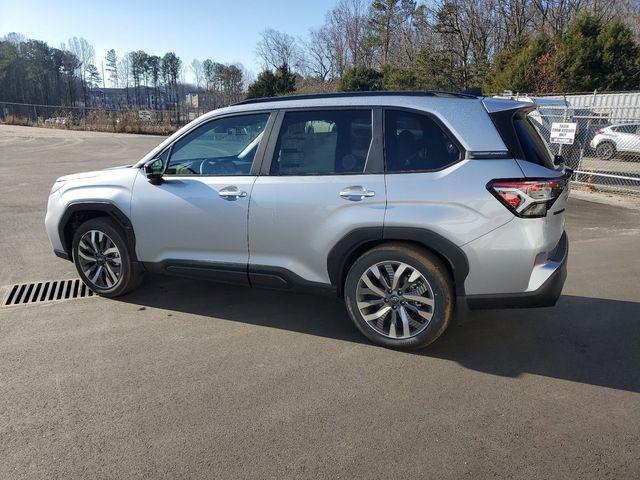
(545, 296)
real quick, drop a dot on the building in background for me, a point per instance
(125, 98)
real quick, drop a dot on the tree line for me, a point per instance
(33, 72)
(533, 46)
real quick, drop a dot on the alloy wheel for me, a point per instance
(395, 299)
(99, 259)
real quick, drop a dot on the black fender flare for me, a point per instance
(342, 252)
(109, 209)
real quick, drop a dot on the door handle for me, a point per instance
(356, 193)
(231, 193)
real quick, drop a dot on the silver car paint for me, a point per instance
(294, 221)
(112, 185)
(185, 218)
(453, 202)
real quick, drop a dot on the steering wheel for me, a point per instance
(221, 167)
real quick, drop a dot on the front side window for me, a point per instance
(225, 146)
(322, 143)
(415, 142)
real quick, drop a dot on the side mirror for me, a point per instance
(154, 170)
(558, 160)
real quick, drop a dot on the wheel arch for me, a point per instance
(79, 212)
(360, 240)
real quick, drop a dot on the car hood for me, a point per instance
(94, 173)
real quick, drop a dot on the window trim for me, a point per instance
(373, 163)
(464, 154)
(257, 159)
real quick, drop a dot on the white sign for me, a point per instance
(144, 115)
(564, 133)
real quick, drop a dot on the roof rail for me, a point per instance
(381, 93)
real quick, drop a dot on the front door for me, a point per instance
(197, 216)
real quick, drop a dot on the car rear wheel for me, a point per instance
(399, 296)
(102, 258)
(606, 150)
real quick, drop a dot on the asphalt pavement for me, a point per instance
(183, 379)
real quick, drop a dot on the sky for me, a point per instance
(225, 31)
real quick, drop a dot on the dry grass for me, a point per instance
(13, 120)
(98, 121)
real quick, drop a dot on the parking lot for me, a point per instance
(184, 379)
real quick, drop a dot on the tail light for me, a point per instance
(528, 198)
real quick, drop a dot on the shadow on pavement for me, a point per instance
(587, 340)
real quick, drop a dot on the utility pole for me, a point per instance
(103, 81)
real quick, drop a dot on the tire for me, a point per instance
(412, 330)
(606, 150)
(96, 240)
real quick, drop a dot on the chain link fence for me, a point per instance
(605, 152)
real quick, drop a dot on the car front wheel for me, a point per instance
(399, 296)
(103, 259)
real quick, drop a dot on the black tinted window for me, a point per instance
(323, 142)
(626, 128)
(219, 147)
(415, 142)
(533, 146)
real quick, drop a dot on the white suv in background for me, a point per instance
(623, 137)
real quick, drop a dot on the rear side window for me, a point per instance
(626, 128)
(415, 142)
(322, 142)
(533, 146)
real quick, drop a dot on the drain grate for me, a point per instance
(27, 293)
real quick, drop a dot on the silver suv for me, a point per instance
(404, 203)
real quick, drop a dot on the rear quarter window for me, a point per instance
(533, 146)
(414, 142)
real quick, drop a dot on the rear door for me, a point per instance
(430, 184)
(322, 178)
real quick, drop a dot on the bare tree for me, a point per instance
(196, 69)
(85, 52)
(344, 36)
(553, 16)
(320, 62)
(124, 71)
(112, 67)
(277, 48)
